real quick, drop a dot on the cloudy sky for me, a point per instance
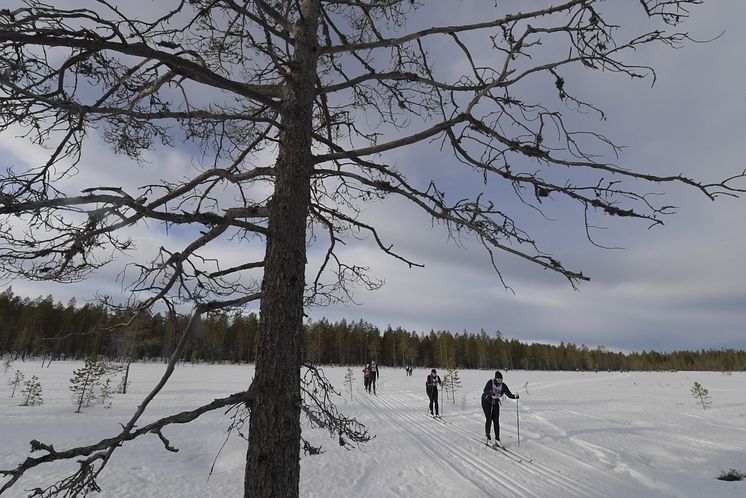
(677, 286)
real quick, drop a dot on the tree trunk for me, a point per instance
(273, 457)
(126, 376)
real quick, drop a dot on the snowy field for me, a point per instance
(581, 435)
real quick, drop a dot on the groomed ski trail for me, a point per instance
(454, 445)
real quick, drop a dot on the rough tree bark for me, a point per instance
(274, 428)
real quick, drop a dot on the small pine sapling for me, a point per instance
(106, 393)
(349, 378)
(84, 383)
(701, 394)
(31, 392)
(16, 381)
(123, 384)
(452, 382)
(7, 363)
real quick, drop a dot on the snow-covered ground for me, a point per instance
(606, 434)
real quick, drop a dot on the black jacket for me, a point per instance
(487, 398)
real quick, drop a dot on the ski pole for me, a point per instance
(517, 422)
(492, 407)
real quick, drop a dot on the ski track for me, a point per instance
(598, 459)
(588, 435)
(542, 385)
(475, 461)
(709, 422)
(602, 459)
(476, 473)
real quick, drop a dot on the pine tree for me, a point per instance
(123, 383)
(452, 381)
(7, 364)
(701, 394)
(15, 382)
(84, 383)
(349, 378)
(32, 392)
(106, 393)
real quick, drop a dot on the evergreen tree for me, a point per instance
(349, 378)
(124, 382)
(452, 382)
(15, 382)
(84, 383)
(39, 327)
(701, 394)
(7, 363)
(32, 392)
(106, 393)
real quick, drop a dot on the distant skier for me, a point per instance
(373, 376)
(431, 387)
(366, 378)
(493, 391)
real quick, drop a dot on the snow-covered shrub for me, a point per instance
(731, 475)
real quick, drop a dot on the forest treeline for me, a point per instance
(44, 328)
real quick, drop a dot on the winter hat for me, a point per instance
(498, 375)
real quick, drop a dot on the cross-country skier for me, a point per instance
(493, 391)
(431, 387)
(373, 375)
(366, 378)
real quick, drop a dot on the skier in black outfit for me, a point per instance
(373, 375)
(493, 391)
(431, 387)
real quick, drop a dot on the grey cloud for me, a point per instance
(679, 286)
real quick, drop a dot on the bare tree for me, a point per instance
(292, 107)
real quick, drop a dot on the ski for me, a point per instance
(501, 449)
(506, 452)
(440, 419)
(518, 455)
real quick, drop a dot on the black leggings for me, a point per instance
(434, 399)
(492, 416)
